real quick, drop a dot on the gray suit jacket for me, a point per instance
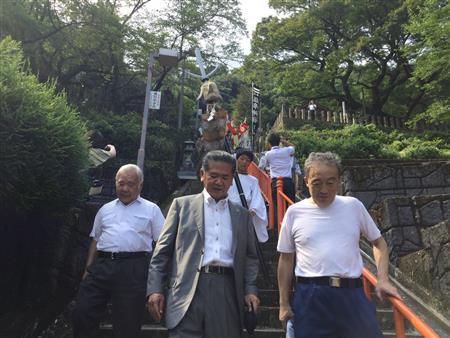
(179, 253)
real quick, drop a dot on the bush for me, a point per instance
(368, 142)
(44, 149)
(162, 146)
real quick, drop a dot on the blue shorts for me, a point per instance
(324, 311)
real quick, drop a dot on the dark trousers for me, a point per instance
(327, 312)
(288, 189)
(121, 281)
(213, 312)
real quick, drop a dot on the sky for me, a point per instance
(253, 11)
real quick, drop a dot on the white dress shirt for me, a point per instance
(280, 161)
(127, 228)
(218, 232)
(255, 203)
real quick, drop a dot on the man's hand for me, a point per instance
(384, 287)
(252, 302)
(85, 274)
(156, 305)
(381, 254)
(285, 314)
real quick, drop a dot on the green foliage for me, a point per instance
(380, 57)
(44, 148)
(161, 148)
(368, 142)
(430, 27)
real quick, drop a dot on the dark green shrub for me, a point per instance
(368, 142)
(44, 149)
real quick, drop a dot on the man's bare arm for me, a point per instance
(285, 274)
(381, 254)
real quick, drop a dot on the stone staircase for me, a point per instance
(268, 323)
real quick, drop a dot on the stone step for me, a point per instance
(268, 316)
(156, 331)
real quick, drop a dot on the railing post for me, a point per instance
(271, 206)
(279, 202)
(399, 324)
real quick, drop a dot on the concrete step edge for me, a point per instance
(148, 327)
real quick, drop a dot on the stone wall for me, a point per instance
(372, 181)
(410, 202)
(401, 220)
(430, 267)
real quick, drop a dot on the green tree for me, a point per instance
(430, 27)
(44, 147)
(335, 51)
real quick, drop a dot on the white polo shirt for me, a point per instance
(280, 161)
(326, 240)
(127, 228)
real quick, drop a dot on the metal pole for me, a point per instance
(251, 116)
(141, 152)
(180, 105)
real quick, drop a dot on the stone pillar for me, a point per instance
(329, 114)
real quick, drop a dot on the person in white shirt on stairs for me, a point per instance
(320, 236)
(252, 192)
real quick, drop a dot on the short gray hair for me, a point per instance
(135, 168)
(327, 158)
(218, 156)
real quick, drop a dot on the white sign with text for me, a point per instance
(155, 100)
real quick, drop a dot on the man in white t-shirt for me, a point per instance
(321, 236)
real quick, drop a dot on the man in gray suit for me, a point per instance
(206, 252)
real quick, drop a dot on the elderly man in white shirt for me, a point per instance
(320, 237)
(118, 259)
(252, 192)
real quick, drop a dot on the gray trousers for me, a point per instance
(213, 312)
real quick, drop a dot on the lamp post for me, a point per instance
(166, 57)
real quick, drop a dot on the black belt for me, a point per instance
(221, 270)
(336, 282)
(122, 255)
(284, 178)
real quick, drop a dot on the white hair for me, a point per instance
(134, 167)
(327, 158)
